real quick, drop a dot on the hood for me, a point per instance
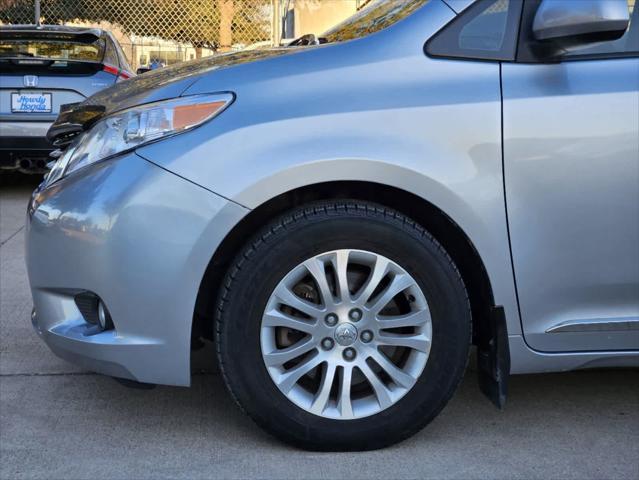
(154, 86)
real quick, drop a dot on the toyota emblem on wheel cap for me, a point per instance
(345, 334)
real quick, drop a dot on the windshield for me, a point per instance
(375, 16)
(52, 49)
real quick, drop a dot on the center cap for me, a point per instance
(345, 334)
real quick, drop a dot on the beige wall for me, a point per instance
(317, 16)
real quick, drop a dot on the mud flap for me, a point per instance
(493, 358)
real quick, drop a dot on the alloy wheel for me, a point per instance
(346, 334)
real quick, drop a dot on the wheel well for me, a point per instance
(442, 227)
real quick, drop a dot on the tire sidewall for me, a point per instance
(274, 254)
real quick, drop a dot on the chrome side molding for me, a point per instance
(596, 325)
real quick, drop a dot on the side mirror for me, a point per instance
(579, 22)
(142, 70)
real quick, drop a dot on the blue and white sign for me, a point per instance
(31, 102)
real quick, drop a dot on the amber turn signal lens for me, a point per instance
(186, 116)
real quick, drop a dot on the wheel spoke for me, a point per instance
(275, 318)
(287, 297)
(317, 269)
(288, 379)
(381, 392)
(412, 319)
(396, 374)
(321, 398)
(340, 265)
(283, 355)
(398, 284)
(419, 342)
(344, 403)
(379, 271)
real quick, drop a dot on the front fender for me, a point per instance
(463, 181)
(429, 127)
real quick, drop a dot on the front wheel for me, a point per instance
(343, 326)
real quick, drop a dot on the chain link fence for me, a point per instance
(163, 31)
(171, 31)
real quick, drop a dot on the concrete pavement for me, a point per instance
(58, 421)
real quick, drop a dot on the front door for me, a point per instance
(571, 166)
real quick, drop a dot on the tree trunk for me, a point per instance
(227, 10)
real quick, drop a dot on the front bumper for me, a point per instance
(140, 238)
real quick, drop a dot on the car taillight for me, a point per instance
(122, 75)
(111, 69)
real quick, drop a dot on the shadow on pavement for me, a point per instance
(573, 425)
(19, 180)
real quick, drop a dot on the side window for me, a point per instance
(486, 31)
(626, 45)
(110, 55)
(124, 62)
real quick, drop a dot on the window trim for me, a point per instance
(508, 53)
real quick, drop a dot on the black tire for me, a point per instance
(301, 234)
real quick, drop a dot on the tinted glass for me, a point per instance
(487, 30)
(52, 50)
(110, 54)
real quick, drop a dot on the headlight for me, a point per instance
(131, 128)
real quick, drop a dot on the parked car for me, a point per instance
(42, 68)
(345, 218)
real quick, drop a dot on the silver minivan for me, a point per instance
(346, 216)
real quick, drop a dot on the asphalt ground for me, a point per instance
(59, 421)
